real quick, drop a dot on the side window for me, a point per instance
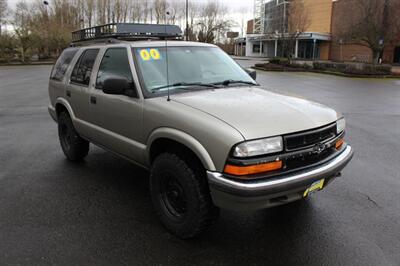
(83, 68)
(114, 64)
(61, 66)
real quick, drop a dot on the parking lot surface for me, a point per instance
(99, 211)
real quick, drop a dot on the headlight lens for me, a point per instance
(258, 147)
(340, 125)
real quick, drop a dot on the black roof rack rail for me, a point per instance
(127, 31)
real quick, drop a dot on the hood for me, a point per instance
(256, 112)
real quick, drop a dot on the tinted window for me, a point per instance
(83, 68)
(61, 66)
(114, 64)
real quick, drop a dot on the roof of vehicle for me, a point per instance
(145, 43)
(169, 43)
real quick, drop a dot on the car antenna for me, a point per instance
(166, 55)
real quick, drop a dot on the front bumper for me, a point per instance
(259, 194)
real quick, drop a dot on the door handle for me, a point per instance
(93, 100)
(68, 93)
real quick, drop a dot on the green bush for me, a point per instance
(306, 66)
(353, 69)
(330, 66)
(280, 61)
(259, 64)
(378, 70)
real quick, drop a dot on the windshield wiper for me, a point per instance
(231, 81)
(184, 84)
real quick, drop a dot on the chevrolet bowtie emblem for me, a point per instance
(318, 148)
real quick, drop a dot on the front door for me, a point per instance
(118, 118)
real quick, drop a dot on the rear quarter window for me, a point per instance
(61, 66)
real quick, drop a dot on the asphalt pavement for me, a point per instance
(99, 212)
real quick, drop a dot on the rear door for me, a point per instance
(119, 118)
(77, 91)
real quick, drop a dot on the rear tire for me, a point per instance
(181, 197)
(74, 147)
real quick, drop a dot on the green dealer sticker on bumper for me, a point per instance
(318, 185)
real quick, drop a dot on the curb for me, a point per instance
(328, 73)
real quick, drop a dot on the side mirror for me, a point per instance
(252, 73)
(116, 85)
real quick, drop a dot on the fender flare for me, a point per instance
(65, 103)
(184, 139)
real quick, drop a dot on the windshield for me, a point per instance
(189, 68)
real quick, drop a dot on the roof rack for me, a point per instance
(128, 31)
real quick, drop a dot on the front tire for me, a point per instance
(74, 147)
(181, 197)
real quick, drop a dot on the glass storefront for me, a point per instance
(306, 49)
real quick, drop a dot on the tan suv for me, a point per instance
(210, 136)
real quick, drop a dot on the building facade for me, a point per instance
(318, 39)
(311, 43)
(342, 51)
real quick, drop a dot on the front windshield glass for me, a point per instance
(189, 68)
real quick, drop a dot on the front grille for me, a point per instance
(309, 138)
(307, 159)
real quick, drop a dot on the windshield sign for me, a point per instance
(188, 68)
(150, 54)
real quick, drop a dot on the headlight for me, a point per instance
(258, 147)
(340, 125)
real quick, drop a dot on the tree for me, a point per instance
(7, 46)
(160, 8)
(295, 22)
(176, 11)
(3, 12)
(89, 10)
(21, 24)
(243, 22)
(101, 12)
(298, 22)
(194, 10)
(212, 22)
(370, 23)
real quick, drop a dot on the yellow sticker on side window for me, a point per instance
(150, 54)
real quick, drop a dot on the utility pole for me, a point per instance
(187, 20)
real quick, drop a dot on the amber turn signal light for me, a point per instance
(252, 169)
(339, 144)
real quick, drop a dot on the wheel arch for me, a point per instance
(63, 105)
(162, 138)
